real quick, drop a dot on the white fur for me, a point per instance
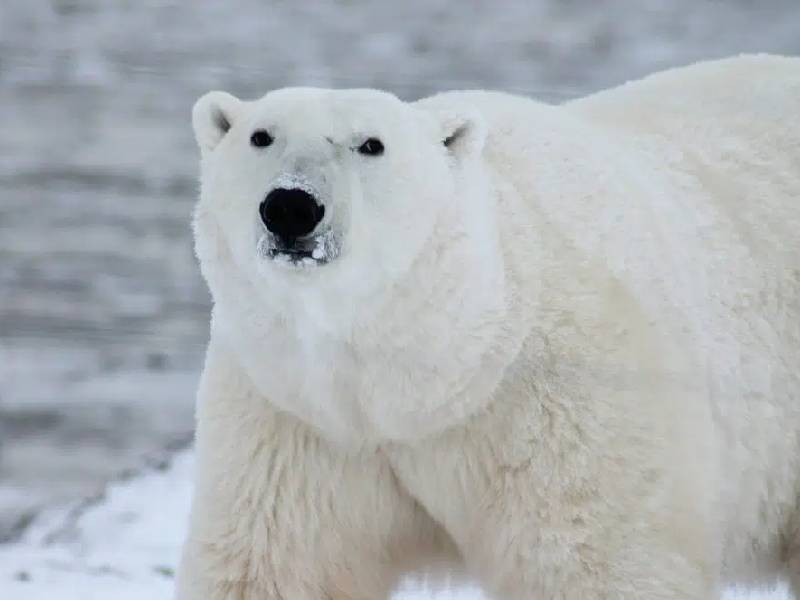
(561, 350)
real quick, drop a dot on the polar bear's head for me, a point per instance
(350, 242)
(337, 191)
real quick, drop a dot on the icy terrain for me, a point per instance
(125, 545)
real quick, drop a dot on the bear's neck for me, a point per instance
(426, 358)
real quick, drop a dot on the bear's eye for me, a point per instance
(372, 147)
(260, 138)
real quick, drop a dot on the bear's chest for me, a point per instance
(365, 389)
(315, 379)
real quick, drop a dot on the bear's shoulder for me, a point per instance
(701, 93)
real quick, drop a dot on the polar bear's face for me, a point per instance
(350, 242)
(338, 191)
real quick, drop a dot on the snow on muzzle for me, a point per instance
(293, 214)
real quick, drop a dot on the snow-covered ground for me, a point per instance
(124, 544)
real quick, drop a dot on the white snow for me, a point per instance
(125, 545)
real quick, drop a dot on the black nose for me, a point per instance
(291, 213)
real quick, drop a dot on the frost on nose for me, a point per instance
(291, 213)
(293, 207)
(294, 212)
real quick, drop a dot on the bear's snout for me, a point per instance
(290, 213)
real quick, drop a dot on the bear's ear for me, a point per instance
(212, 116)
(461, 129)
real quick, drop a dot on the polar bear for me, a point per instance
(555, 346)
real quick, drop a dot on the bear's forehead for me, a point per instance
(318, 107)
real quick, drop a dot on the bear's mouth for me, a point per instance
(315, 250)
(295, 256)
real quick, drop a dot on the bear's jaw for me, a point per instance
(314, 251)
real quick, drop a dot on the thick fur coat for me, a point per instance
(557, 346)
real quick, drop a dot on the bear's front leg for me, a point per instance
(568, 547)
(278, 513)
(552, 498)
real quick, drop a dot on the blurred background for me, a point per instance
(103, 314)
